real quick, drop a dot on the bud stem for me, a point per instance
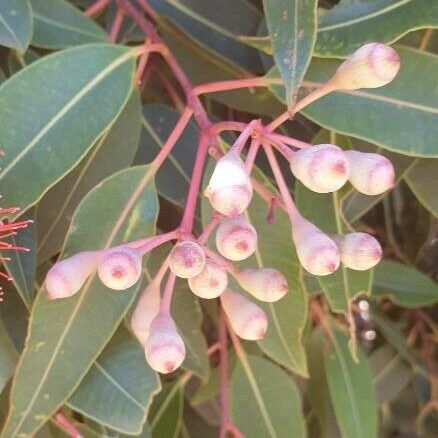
(166, 300)
(243, 137)
(252, 152)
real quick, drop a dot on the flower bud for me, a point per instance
(247, 319)
(187, 259)
(371, 174)
(66, 277)
(236, 238)
(371, 66)
(265, 284)
(359, 251)
(145, 311)
(120, 268)
(230, 188)
(164, 349)
(317, 252)
(211, 282)
(322, 168)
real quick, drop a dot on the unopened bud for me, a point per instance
(236, 238)
(230, 188)
(66, 277)
(187, 259)
(371, 174)
(211, 282)
(322, 168)
(247, 319)
(145, 311)
(164, 349)
(359, 251)
(371, 66)
(265, 284)
(317, 252)
(120, 268)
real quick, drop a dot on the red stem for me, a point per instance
(66, 425)
(166, 300)
(116, 26)
(224, 390)
(214, 87)
(96, 7)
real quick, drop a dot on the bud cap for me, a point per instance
(370, 174)
(247, 319)
(230, 188)
(322, 168)
(164, 350)
(211, 282)
(359, 251)
(67, 276)
(265, 284)
(187, 259)
(120, 268)
(236, 238)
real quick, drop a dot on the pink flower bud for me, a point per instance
(230, 188)
(359, 251)
(371, 174)
(66, 277)
(317, 252)
(165, 349)
(246, 318)
(211, 282)
(187, 259)
(322, 168)
(371, 66)
(265, 284)
(120, 268)
(236, 238)
(145, 311)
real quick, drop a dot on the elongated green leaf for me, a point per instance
(292, 27)
(56, 357)
(397, 117)
(114, 150)
(265, 401)
(166, 411)
(173, 178)
(15, 24)
(351, 389)
(406, 286)
(118, 389)
(8, 357)
(58, 24)
(214, 28)
(46, 118)
(352, 23)
(323, 210)
(391, 374)
(422, 179)
(22, 265)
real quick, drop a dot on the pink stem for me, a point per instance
(283, 149)
(214, 87)
(116, 26)
(166, 300)
(66, 425)
(252, 153)
(146, 245)
(208, 229)
(224, 390)
(96, 7)
(243, 137)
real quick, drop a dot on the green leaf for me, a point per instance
(422, 178)
(173, 178)
(166, 411)
(22, 265)
(390, 372)
(214, 28)
(405, 286)
(323, 210)
(58, 24)
(113, 151)
(15, 24)
(118, 389)
(54, 110)
(8, 357)
(399, 117)
(351, 389)
(292, 27)
(187, 314)
(56, 358)
(265, 401)
(351, 23)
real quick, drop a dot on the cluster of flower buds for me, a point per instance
(323, 168)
